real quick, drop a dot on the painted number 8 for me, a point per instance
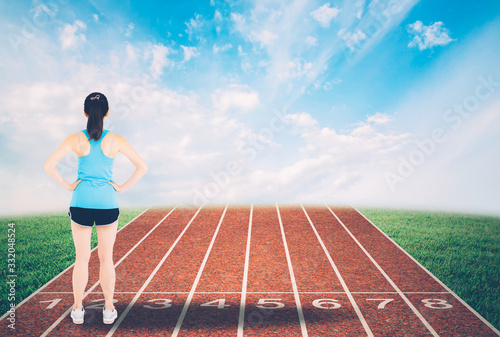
(435, 303)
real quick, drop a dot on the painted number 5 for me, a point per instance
(272, 301)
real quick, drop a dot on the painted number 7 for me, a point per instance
(383, 303)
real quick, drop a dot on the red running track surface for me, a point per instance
(255, 271)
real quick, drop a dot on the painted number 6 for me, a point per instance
(326, 303)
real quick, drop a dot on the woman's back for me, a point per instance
(95, 170)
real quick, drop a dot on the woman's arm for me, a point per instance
(140, 165)
(50, 165)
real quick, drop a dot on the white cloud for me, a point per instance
(362, 139)
(302, 120)
(311, 41)
(218, 21)
(329, 164)
(294, 69)
(241, 52)
(96, 17)
(425, 37)
(380, 118)
(160, 59)
(194, 26)
(129, 29)
(225, 47)
(131, 52)
(246, 66)
(217, 16)
(362, 32)
(352, 39)
(265, 37)
(189, 52)
(325, 14)
(360, 8)
(239, 21)
(71, 36)
(237, 97)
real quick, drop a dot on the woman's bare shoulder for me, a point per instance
(120, 138)
(71, 141)
(72, 137)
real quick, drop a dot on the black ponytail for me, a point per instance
(96, 107)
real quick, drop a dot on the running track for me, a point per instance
(255, 271)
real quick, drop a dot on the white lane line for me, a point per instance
(153, 273)
(59, 320)
(408, 302)
(65, 270)
(341, 279)
(434, 277)
(241, 318)
(292, 276)
(198, 276)
(256, 292)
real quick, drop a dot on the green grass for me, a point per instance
(462, 250)
(43, 248)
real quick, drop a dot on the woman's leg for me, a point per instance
(81, 238)
(106, 236)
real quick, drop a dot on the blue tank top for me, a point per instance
(95, 170)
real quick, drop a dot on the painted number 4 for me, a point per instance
(219, 304)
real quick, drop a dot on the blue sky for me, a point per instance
(260, 101)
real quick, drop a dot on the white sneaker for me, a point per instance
(108, 316)
(77, 315)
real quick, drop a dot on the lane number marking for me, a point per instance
(159, 303)
(326, 303)
(436, 303)
(381, 304)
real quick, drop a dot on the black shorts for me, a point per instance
(87, 216)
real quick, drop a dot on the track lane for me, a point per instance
(159, 304)
(214, 307)
(270, 303)
(362, 275)
(317, 272)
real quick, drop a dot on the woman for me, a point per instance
(94, 199)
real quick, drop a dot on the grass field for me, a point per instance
(462, 250)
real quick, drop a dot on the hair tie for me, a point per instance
(95, 97)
